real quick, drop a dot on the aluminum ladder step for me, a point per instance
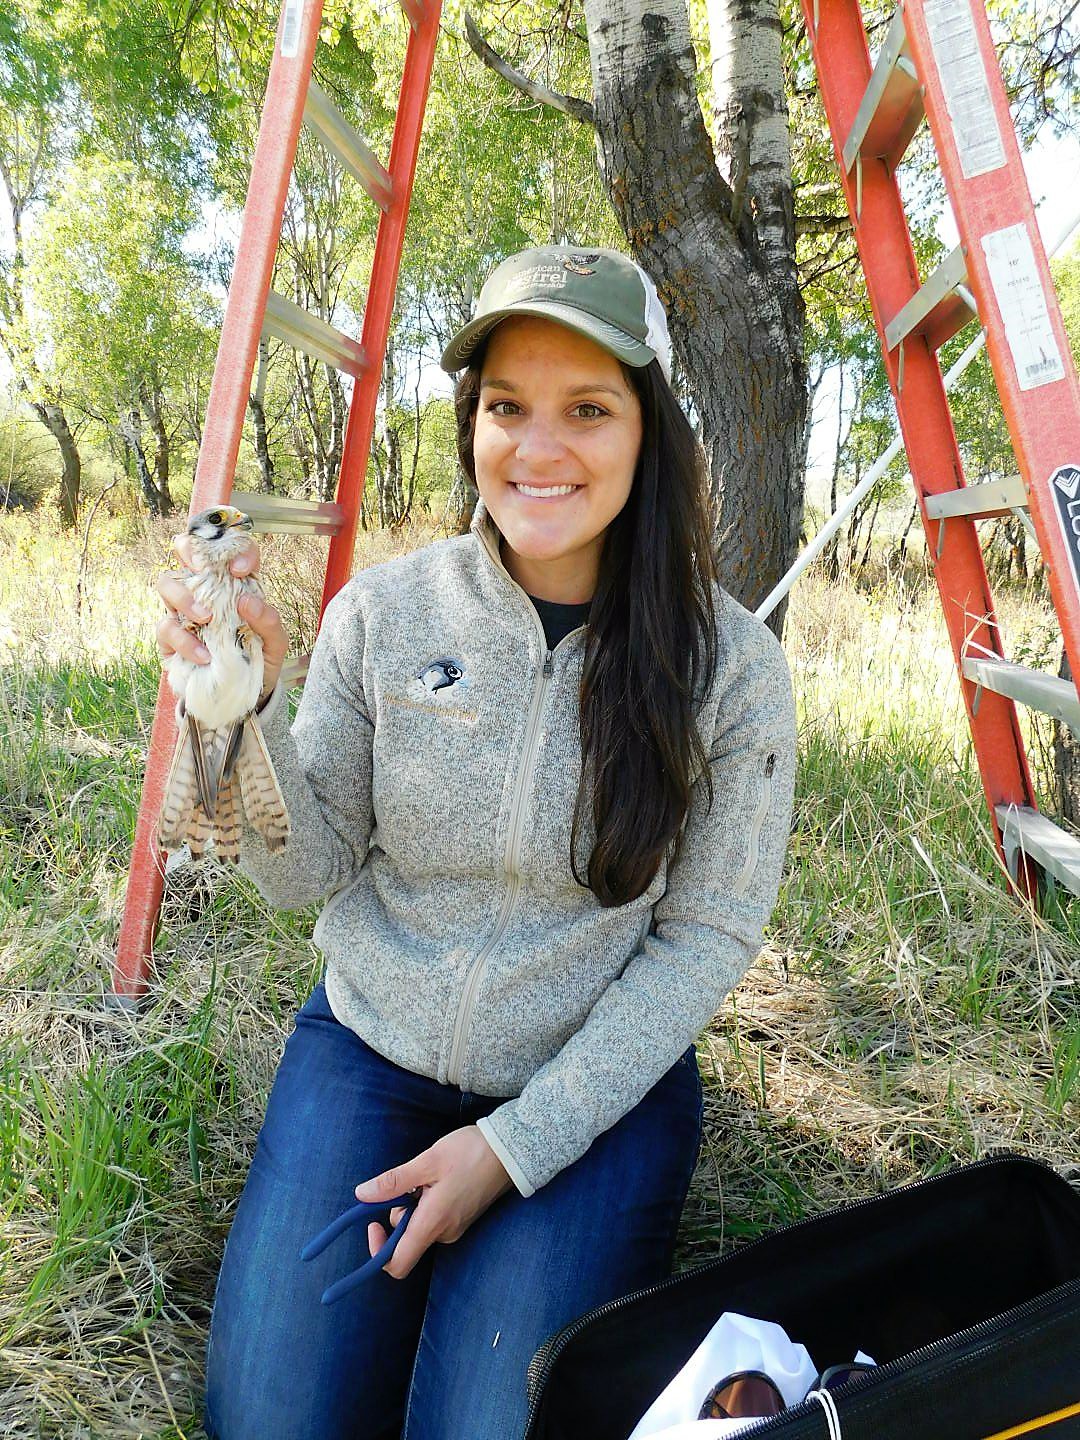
(334, 133)
(1034, 688)
(307, 332)
(281, 515)
(980, 502)
(891, 108)
(1029, 832)
(940, 307)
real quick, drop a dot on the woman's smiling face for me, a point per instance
(556, 442)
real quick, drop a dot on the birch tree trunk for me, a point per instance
(722, 253)
(130, 426)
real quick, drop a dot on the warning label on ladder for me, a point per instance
(1018, 289)
(290, 28)
(963, 79)
(1065, 489)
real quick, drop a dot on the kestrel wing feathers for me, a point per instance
(231, 752)
(181, 795)
(264, 804)
(205, 776)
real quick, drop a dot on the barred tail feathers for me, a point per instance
(227, 823)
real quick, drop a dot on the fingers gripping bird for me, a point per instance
(220, 748)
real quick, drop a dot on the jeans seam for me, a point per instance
(210, 1328)
(416, 1357)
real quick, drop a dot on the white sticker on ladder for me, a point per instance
(963, 79)
(290, 28)
(1018, 289)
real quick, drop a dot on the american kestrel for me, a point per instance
(220, 744)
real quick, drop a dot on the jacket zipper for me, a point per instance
(510, 863)
(542, 1362)
(513, 841)
(742, 880)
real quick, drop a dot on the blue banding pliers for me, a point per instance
(365, 1210)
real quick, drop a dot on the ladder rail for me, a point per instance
(271, 166)
(379, 310)
(889, 264)
(1008, 268)
(283, 113)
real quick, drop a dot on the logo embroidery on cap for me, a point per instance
(536, 277)
(580, 264)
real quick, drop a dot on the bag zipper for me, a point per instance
(979, 1332)
(545, 1357)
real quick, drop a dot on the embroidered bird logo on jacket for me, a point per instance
(220, 762)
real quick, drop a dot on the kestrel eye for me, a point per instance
(215, 517)
(453, 672)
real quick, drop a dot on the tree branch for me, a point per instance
(822, 224)
(568, 104)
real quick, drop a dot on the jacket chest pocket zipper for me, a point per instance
(753, 842)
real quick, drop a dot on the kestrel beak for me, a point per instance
(238, 520)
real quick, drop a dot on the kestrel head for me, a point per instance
(218, 534)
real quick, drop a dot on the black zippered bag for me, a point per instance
(965, 1289)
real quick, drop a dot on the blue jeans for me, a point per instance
(443, 1353)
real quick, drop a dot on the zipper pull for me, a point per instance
(548, 662)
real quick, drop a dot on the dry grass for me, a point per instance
(905, 1014)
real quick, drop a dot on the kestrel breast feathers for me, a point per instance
(220, 762)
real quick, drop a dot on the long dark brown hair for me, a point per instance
(653, 606)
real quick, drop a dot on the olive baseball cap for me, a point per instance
(600, 293)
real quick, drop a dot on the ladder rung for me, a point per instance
(990, 497)
(414, 12)
(304, 331)
(1033, 688)
(935, 310)
(890, 111)
(1054, 849)
(294, 671)
(280, 515)
(330, 127)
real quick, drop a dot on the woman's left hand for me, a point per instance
(459, 1176)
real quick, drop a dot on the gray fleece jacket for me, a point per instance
(430, 776)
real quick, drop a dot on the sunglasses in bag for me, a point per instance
(752, 1395)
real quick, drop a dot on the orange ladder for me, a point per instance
(254, 310)
(937, 62)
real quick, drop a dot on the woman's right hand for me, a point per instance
(175, 638)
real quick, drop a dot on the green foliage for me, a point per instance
(117, 305)
(27, 462)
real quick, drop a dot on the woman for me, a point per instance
(545, 771)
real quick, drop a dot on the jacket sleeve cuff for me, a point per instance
(508, 1162)
(271, 705)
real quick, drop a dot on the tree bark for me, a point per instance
(727, 279)
(1067, 760)
(256, 403)
(151, 403)
(389, 475)
(51, 414)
